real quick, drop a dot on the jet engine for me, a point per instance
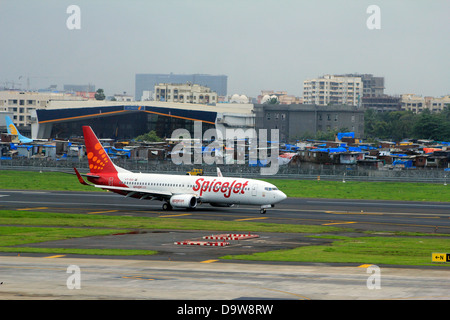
(183, 201)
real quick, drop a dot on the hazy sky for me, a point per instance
(258, 44)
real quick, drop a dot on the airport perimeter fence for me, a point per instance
(302, 171)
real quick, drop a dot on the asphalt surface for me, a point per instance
(194, 272)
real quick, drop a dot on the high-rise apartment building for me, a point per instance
(372, 86)
(332, 90)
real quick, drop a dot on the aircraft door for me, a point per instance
(111, 181)
(254, 190)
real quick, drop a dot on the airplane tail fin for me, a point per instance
(99, 161)
(10, 126)
(13, 130)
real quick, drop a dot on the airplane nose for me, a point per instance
(282, 196)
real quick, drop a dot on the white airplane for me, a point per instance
(177, 191)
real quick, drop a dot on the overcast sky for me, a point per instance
(258, 44)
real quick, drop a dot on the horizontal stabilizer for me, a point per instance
(80, 178)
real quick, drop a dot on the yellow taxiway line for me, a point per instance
(251, 219)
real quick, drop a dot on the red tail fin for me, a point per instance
(99, 161)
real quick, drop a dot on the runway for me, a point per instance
(380, 215)
(194, 273)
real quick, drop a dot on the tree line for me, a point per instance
(399, 125)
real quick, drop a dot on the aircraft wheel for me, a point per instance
(262, 211)
(166, 206)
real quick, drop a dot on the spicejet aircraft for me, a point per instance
(177, 191)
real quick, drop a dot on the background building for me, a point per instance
(383, 103)
(417, 104)
(282, 97)
(332, 90)
(79, 88)
(22, 103)
(184, 93)
(297, 120)
(127, 120)
(372, 86)
(146, 82)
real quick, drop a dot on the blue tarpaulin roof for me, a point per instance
(330, 150)
(341, 135)
(406, 163)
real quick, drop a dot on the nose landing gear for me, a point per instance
(264, 207)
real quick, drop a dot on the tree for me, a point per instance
(398, 125)
(100, 95)
(149, 137)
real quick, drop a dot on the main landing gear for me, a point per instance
(166, 206)
(262, 211)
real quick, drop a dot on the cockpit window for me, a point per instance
(270, 189)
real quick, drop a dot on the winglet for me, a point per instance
(80, 178)
(219, 173)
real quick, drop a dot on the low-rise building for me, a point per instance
(296, 120)
(185, 93)
(416, 104)
(22, 103)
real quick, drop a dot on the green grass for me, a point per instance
(13, 236)
(403, 191)
(13, 239)
(29, 218)
(28, 180)
(364, 250)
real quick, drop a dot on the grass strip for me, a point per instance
(364, 250)
(30, 218)
(400, 191)
(30, 180)
(12, 239)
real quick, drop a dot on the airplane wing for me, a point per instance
(145, 193)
